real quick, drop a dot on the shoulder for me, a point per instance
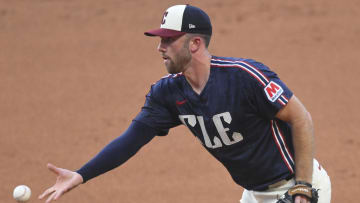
(247, 68)
(240, 63)
(168, 81)
(165, 85)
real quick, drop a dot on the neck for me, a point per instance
(198, 72)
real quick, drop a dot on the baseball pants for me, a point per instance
(320, 178)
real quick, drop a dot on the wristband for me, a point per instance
(299, 182)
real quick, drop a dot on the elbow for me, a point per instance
(302, 121)
(309, 121)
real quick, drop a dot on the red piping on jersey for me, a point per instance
(285, 98)
(242, 67)
(251, 73)
(281, 102)
(262, 74)
(251, 66)
(280, 149)
(282, 137)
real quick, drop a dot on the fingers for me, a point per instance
(66, 180)
(58, 194)
(53, 168)
(47, 192)
(301, 199)
(51, 197)
(53, 194)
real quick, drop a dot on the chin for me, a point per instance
(172, 70)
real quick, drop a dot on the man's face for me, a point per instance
(175, 52)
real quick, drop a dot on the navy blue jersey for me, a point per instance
(233, 117)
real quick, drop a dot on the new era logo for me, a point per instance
(273, 91)
(191, 26)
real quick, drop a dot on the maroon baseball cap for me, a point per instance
(180, 19)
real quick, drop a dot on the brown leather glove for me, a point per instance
(300, 188)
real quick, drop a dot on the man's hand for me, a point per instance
(301, 192)
(301, 199)
(65, 181)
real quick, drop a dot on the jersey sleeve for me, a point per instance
(270, 93)
(156, 113)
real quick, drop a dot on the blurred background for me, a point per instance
(73, 74)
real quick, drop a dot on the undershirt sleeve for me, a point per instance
(118, 151)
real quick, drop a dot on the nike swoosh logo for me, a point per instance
(179, 103)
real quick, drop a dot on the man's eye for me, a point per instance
(167, 39)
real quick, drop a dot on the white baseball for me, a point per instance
(22, 193)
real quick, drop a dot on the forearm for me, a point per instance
(303, 140)
(303, 137)
(118, 151)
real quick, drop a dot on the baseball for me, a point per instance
(22, 193)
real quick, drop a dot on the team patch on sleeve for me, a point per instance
(273, 91)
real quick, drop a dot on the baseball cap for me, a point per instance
(180, 19)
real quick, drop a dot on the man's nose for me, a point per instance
(161, 47)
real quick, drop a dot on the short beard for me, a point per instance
(181, 59)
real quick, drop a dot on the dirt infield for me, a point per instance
(73, 74)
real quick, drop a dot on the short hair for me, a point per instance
(206, 38)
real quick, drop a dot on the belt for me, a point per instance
(274, 185)
(279, 183)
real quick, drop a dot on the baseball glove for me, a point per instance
(300, 188)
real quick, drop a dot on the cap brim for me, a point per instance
(162, 32)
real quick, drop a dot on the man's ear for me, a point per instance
(195, 44)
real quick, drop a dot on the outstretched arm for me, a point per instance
(113, 155)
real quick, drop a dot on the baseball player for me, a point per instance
(240, 111)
